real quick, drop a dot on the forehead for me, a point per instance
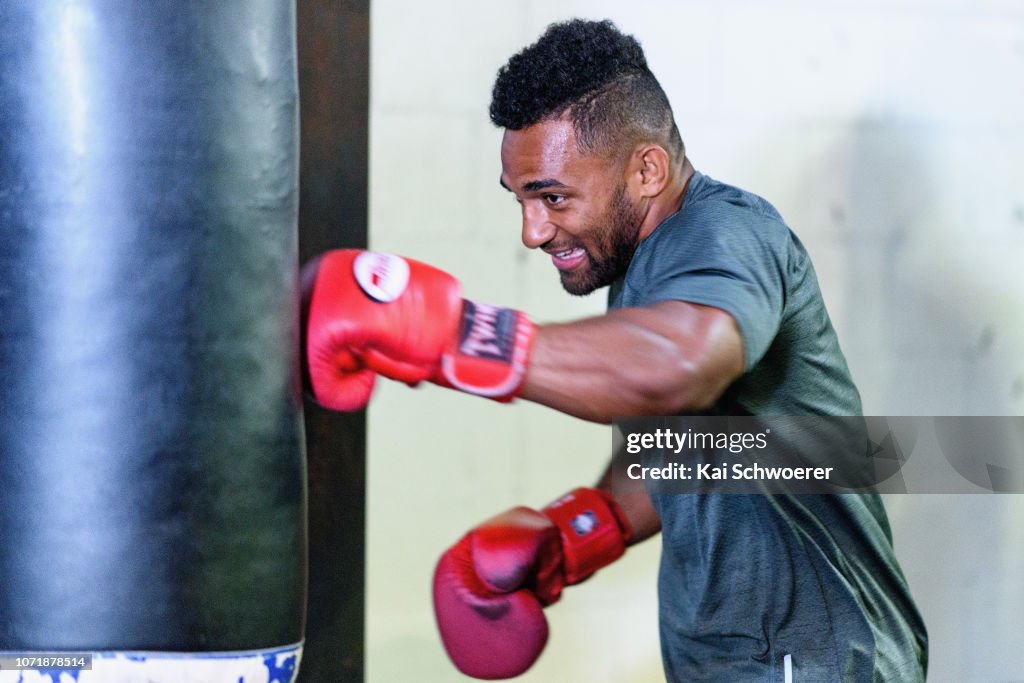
(545, 150)
(548, 139)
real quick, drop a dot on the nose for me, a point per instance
(537, 229)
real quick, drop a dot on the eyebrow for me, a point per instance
(535, 185)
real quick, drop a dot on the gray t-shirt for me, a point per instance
(751, 586)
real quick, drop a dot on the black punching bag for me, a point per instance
(152, 476)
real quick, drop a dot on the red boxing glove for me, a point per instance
(369, 313)
(490, 588)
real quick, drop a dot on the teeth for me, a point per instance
(565, 254)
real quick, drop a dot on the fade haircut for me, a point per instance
(595, 74)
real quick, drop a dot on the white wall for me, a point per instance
(887, 133)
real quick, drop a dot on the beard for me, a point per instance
(615, 236)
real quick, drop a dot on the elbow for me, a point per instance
(685, 383)
(683, 389)
(701, 389)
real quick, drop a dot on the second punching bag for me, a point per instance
(152, 476)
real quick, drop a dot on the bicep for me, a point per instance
(708, 343)
(705, 336)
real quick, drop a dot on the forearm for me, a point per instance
(413, 326)
(631, 496)
(660, 360)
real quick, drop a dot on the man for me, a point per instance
(713, 308)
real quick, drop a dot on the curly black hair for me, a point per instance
(598, 76)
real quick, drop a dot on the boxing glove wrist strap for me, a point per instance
(490, 353)
(594, 531)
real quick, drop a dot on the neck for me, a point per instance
(670, 200)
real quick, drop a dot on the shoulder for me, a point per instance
(719, 213)
(719, 227)
(707, 194)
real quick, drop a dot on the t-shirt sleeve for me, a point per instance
(723, 257)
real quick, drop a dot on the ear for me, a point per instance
(649, 170)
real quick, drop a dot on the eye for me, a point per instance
(553, 199)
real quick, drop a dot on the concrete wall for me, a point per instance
(887, 133)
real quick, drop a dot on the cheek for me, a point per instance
(602, 227)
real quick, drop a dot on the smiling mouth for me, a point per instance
(568, 259)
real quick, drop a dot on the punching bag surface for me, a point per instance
(152, 476)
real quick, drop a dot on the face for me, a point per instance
(575, 206)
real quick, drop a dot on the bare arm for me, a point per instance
(631, 496)
(663, 359)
